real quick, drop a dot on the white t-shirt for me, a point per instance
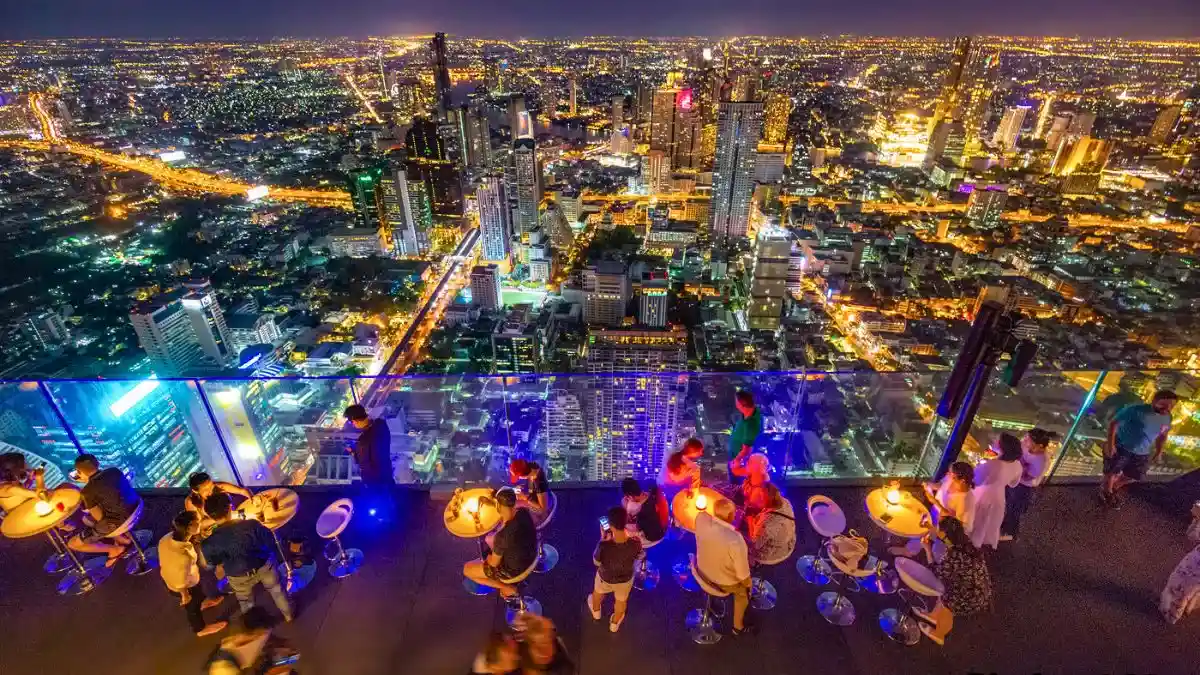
(1032, 467)
(961, 503)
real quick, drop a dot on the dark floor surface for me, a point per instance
(1077, 595)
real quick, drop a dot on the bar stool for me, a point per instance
(646, 577)
(762, 592)
(835, 607)
(330, 525)
(520, 603)
(547, 554)
(141, 561)
(701, 622)
(58, 561)
(827, 520)
(920, 583)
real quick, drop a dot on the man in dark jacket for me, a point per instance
(647, 509)
(373, 450)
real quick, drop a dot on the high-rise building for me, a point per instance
(554, 225)
(1164, 124)
(738, 128)
(520, 124)
(777, 108)
(571, 203)
(485, 286)
(606, 293)
(662, 121)
(495, 226)
(183, 330)
(478, 139)
(200, 304)
(573, 106)
(946, 143)
(635, 408)
(618, 112)
(252, 328)
(365, 195)
(652, 303)
(563, 424)
(656, 172)
(516, 344)
(1044, 115)
(42, 329)
(769, 163)
(527, 183)
(968, 86)
(769, 278)
(408, 212)
(1009, 130)
(688, 131)
(1085, 154)
(441, 74)
(429, 160)
(985, 206)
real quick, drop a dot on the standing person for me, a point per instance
(1034, 458)
(1182, 593)
(747, 430)
(647, 510)
(615, 557)
(1135, 440)
(681, 471)
(953, 497)
(536, 486)
(178, 565)
(967, 588)
(992, 479)
(108, 501)
(510, 551)
(201, 486)
(243, 551)
(723, 559)
(373, 449)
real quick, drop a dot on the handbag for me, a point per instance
(850, 549)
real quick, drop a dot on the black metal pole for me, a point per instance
(966, 414)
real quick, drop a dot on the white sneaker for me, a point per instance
(595, 612)
(614, 626)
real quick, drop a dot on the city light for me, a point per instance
(132, 397)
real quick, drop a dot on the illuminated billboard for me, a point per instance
(683, 100)
(172, 156)
(256, 193)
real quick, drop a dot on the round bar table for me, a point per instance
(685, 510)
(36, 517)
(907, 518)
(275, 508)
(472, 514)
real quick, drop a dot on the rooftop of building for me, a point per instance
(1077, 594)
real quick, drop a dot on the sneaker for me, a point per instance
(595, 612)
(614, 626)
(928, 631)
(212, 602)
(922, 614)
(211, 628)
(748, 629)
(1006, 537)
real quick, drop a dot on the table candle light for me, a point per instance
(701, 503)
(893, 495)
(472, 507)
(42, 508)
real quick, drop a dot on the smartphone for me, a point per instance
(604, 523)
(517, 489)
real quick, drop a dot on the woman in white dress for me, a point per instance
(992, 478)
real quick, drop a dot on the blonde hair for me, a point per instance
(725, 510)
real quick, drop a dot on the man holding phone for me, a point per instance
(615, 557)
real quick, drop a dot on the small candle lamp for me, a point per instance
(893, 494)
(701, 502)
(472, 507)
(42, 507)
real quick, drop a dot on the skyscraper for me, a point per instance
(652, 303)
(527, 182)
(688, 131)
(495, 227)
(618, 112)
(606, 293)
(656, 172)
(738, 128)
(183, 330)
(364, 195)
(485, 286)
(635, 409)
(563, 424)
(1164, 124)
(945, 143)
(428, 160)
(441, 74)
(408, 212)
(769, 276)
(477, 138)
(985, 206)
(777, 108)
(968, 86)
(208, 320)
(662, 121)
(1009, 130)
(573, 107)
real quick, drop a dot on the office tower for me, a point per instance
(364, 195)
(769, 164)
(968, 86)
(1083, 154)
(1164, 124)
(643, 101)
(405, 93)
(208, 320)
(182, 330)
(383, 82)
(618, 112)
(606, 293)
(1009, 130)
(562, 418)
(252, 328)
(571, 203)
(777, 108)
(634, 410)
(428, 160)
(556, 228)
(408, 212)
(985, 206)
(656, 172)
(738, 128)
(519, 122)
(945, 143)
(441, 75)
(476, 137)
(652, 303)
(516, 345)
(769, 278)
(527, 183)
(687, 132)
(357, 242)
(495, 227)
(485, 286)
(662, 122)
(1044, 116)
(573, 86)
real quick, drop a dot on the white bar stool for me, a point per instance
(330, 525)
(828, 520)
(141, 560)
(921, 583)
(837, 608)
(701, 622)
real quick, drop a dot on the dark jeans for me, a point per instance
(194, 616)
(1016, 501)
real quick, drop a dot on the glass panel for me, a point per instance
(28, 425)
(156, 431)
(284, 431)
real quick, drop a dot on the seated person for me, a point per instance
(202, 487)
(647, 509)
(771, 532)
(723, 559)
(681, 471)
(755, 469)
(964, 576)
(251, 648)
(510, 551)
(534, 483)
(17, 483)
(108, 501)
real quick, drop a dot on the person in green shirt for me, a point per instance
(745, 433)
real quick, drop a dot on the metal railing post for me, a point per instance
(1079, 414)
(62, 419)
(237, 476)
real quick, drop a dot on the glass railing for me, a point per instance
(857, 426)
